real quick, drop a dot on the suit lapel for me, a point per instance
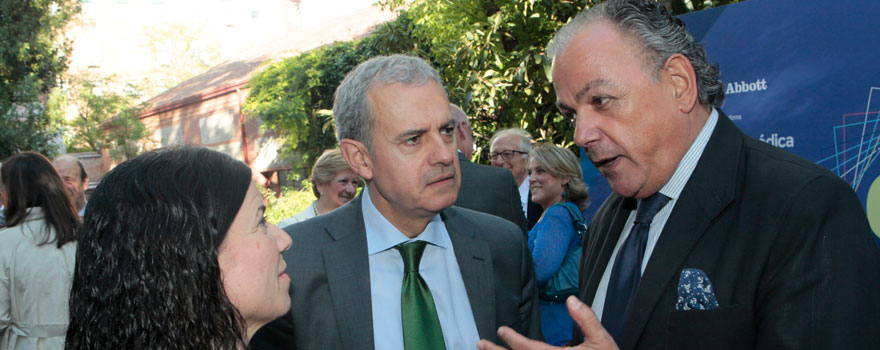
(599, 246)
(348, 277)
(708, 191)
(475, 262)
(533, 211)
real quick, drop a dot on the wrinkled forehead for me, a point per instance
(509, 142)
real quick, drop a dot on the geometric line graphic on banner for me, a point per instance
(856, 142)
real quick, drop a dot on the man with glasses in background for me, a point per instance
(509, 149)
(484, 188)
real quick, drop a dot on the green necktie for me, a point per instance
(421, 325)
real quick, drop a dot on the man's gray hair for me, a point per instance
(459, 115)
(659, 34)
(525, 139)
(351, 111)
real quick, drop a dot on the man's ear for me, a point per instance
(86, 184)
(358, 158)
(683, 81)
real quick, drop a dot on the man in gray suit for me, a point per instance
(347, 267)
(484, 188)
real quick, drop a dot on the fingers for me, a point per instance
(594, 333)
(513, 339)
(487, 345)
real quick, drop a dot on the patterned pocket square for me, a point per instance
(695, 291)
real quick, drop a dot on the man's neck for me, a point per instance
(520, 179)
(410, 224)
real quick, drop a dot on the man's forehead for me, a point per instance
(506, 142)
(600, 40)
(66, 167)
(395, 117)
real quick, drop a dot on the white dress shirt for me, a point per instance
(671, 189)
(524, 196)
(438, 267)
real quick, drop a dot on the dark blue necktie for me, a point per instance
(627, 269)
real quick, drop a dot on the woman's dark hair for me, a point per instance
(30, 181)
(147, 275)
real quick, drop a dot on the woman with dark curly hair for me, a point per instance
(175, 254)
(37, 253)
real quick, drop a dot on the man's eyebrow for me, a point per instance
(589, 85)
(449, 124)
(410, 133)
(583, 92)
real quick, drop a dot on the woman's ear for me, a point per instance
(358, 158)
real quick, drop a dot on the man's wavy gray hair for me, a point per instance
(659, 34)
(351, 111)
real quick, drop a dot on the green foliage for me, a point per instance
(125, 134)
(291, 202)
(294, 97)
(33, 53)
(106, 117)
(489, 52)
(27, 129)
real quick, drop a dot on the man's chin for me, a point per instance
(442, 201)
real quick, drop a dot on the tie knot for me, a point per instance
(649, 207)
(411, 253)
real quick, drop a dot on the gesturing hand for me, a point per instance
(595, 336)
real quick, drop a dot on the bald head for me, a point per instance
(75, 178)
(464, 136)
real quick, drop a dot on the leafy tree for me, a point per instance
(107, 117)
(489, 52)
(294, 97)
(33, 53)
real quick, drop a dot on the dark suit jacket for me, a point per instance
(785, 243)
(490, 190)
(330, 280)
(534, 212)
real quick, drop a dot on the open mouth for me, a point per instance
(605, 162)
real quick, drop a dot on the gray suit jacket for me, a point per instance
(490, 190)
(330, 280)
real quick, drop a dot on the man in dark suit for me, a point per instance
(483, 188)
(712, 239)
(509, 149)
(399, 267)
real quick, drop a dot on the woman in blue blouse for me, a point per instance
(556, 181)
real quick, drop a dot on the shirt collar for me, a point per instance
(675, 185)
(382, 235)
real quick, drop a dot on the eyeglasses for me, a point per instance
(505, 154)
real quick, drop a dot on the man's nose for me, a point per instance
(586, 131)
(442, 152)
(496, 159)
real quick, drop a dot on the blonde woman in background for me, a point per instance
(334, 184)
(556, 183)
